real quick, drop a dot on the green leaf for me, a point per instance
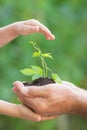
(56, 78)
(36, 76)
(48, 55)
(28, 72)
(37, 69)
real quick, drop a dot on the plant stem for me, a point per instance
(44, 65)
(43, 62)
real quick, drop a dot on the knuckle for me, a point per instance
(34, 21)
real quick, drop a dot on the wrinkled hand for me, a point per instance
(33, 26)
(52, 99)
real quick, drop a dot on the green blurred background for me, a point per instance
(67, 19)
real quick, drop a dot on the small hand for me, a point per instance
(26, 113)
(33, 26)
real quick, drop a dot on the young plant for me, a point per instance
(36, 71)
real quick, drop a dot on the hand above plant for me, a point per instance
(12, 31)
(32, 26)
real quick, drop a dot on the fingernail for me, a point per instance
(14, 83)
(53, 37)
(14, 89)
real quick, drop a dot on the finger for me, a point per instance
(29, 114)
(18, 86)
(31, 91)
(34, 91)
(43, 29)
(20, 90)
(33, 116)
(46, 32)
(31, 103)
(48, 117)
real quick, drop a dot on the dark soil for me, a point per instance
(40, 82)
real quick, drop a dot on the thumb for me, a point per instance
(37, 91)
(19, 88)
(31, 91)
